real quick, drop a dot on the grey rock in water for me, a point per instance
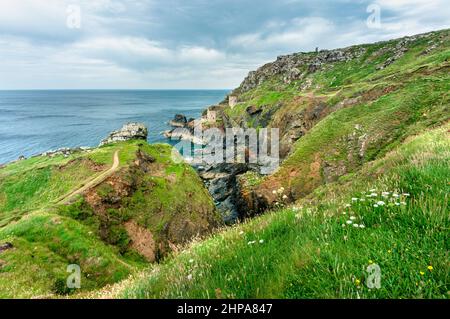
(130, 131)
(178, 121)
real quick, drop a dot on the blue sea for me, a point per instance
(32, 122)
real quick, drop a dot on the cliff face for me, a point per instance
(337, 109)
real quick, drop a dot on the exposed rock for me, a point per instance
(65, 151)
(141, 240)
(130, 131)
(291, 66)
(6, 246)
(252, 110)
(183, 134)
(179, 120)
(221, 181)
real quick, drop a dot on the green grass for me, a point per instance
(306, 252)
(44, 245)
(47, 237)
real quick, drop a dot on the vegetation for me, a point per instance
(48, 236)
(311, 250)
(363, 185)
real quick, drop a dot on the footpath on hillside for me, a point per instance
(93, 182)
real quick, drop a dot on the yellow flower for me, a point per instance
(390, 251)
(422, 273)
(430, 268)
(370, 262)
(357, 282)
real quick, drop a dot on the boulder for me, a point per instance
(5, 246)
(179, 120)
(130, 131)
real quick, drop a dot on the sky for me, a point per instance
(185, 44)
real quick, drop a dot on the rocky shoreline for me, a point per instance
(222, 179)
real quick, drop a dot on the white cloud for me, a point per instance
(298, 34)
(171, 44)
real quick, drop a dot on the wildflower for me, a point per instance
(370, 262)
(241, 232)
(352, 217)
(261, 241)
(373, 195)
(389, 251)
(354, 199)
(251, 242)
(349, 222)
(189, 277)
(422, 273)
(372, 190)
(344, 213)
(397, 204)
(343, 225)
(362, 226)
(385, 194)
(376, 205)
(395, 195)
(347, 205)
(274, 192)
(362, 200)
(355, 225)
(191, 261)
(430, 268)
(406, 194)
(381, 203)
(285, 197)
(357, 282)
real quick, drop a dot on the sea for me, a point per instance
(33, 122)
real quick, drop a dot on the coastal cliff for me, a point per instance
(335, 110)
(362, 182)
(111, 210)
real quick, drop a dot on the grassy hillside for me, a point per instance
(343, 108)
(311, 250)
(139, 213)
(364, 181)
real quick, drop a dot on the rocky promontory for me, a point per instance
(130, 131)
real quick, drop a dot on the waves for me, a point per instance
(32, 122)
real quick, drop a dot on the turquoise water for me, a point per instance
(32, 122)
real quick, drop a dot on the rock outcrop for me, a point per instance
(179, 120)
(130, 131)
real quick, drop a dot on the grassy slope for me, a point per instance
(47, 238)
(396, 102)
(305, 252)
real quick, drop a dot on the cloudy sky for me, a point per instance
(57, 44)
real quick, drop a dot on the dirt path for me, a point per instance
(93, 182)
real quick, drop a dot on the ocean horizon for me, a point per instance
(36, 121)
